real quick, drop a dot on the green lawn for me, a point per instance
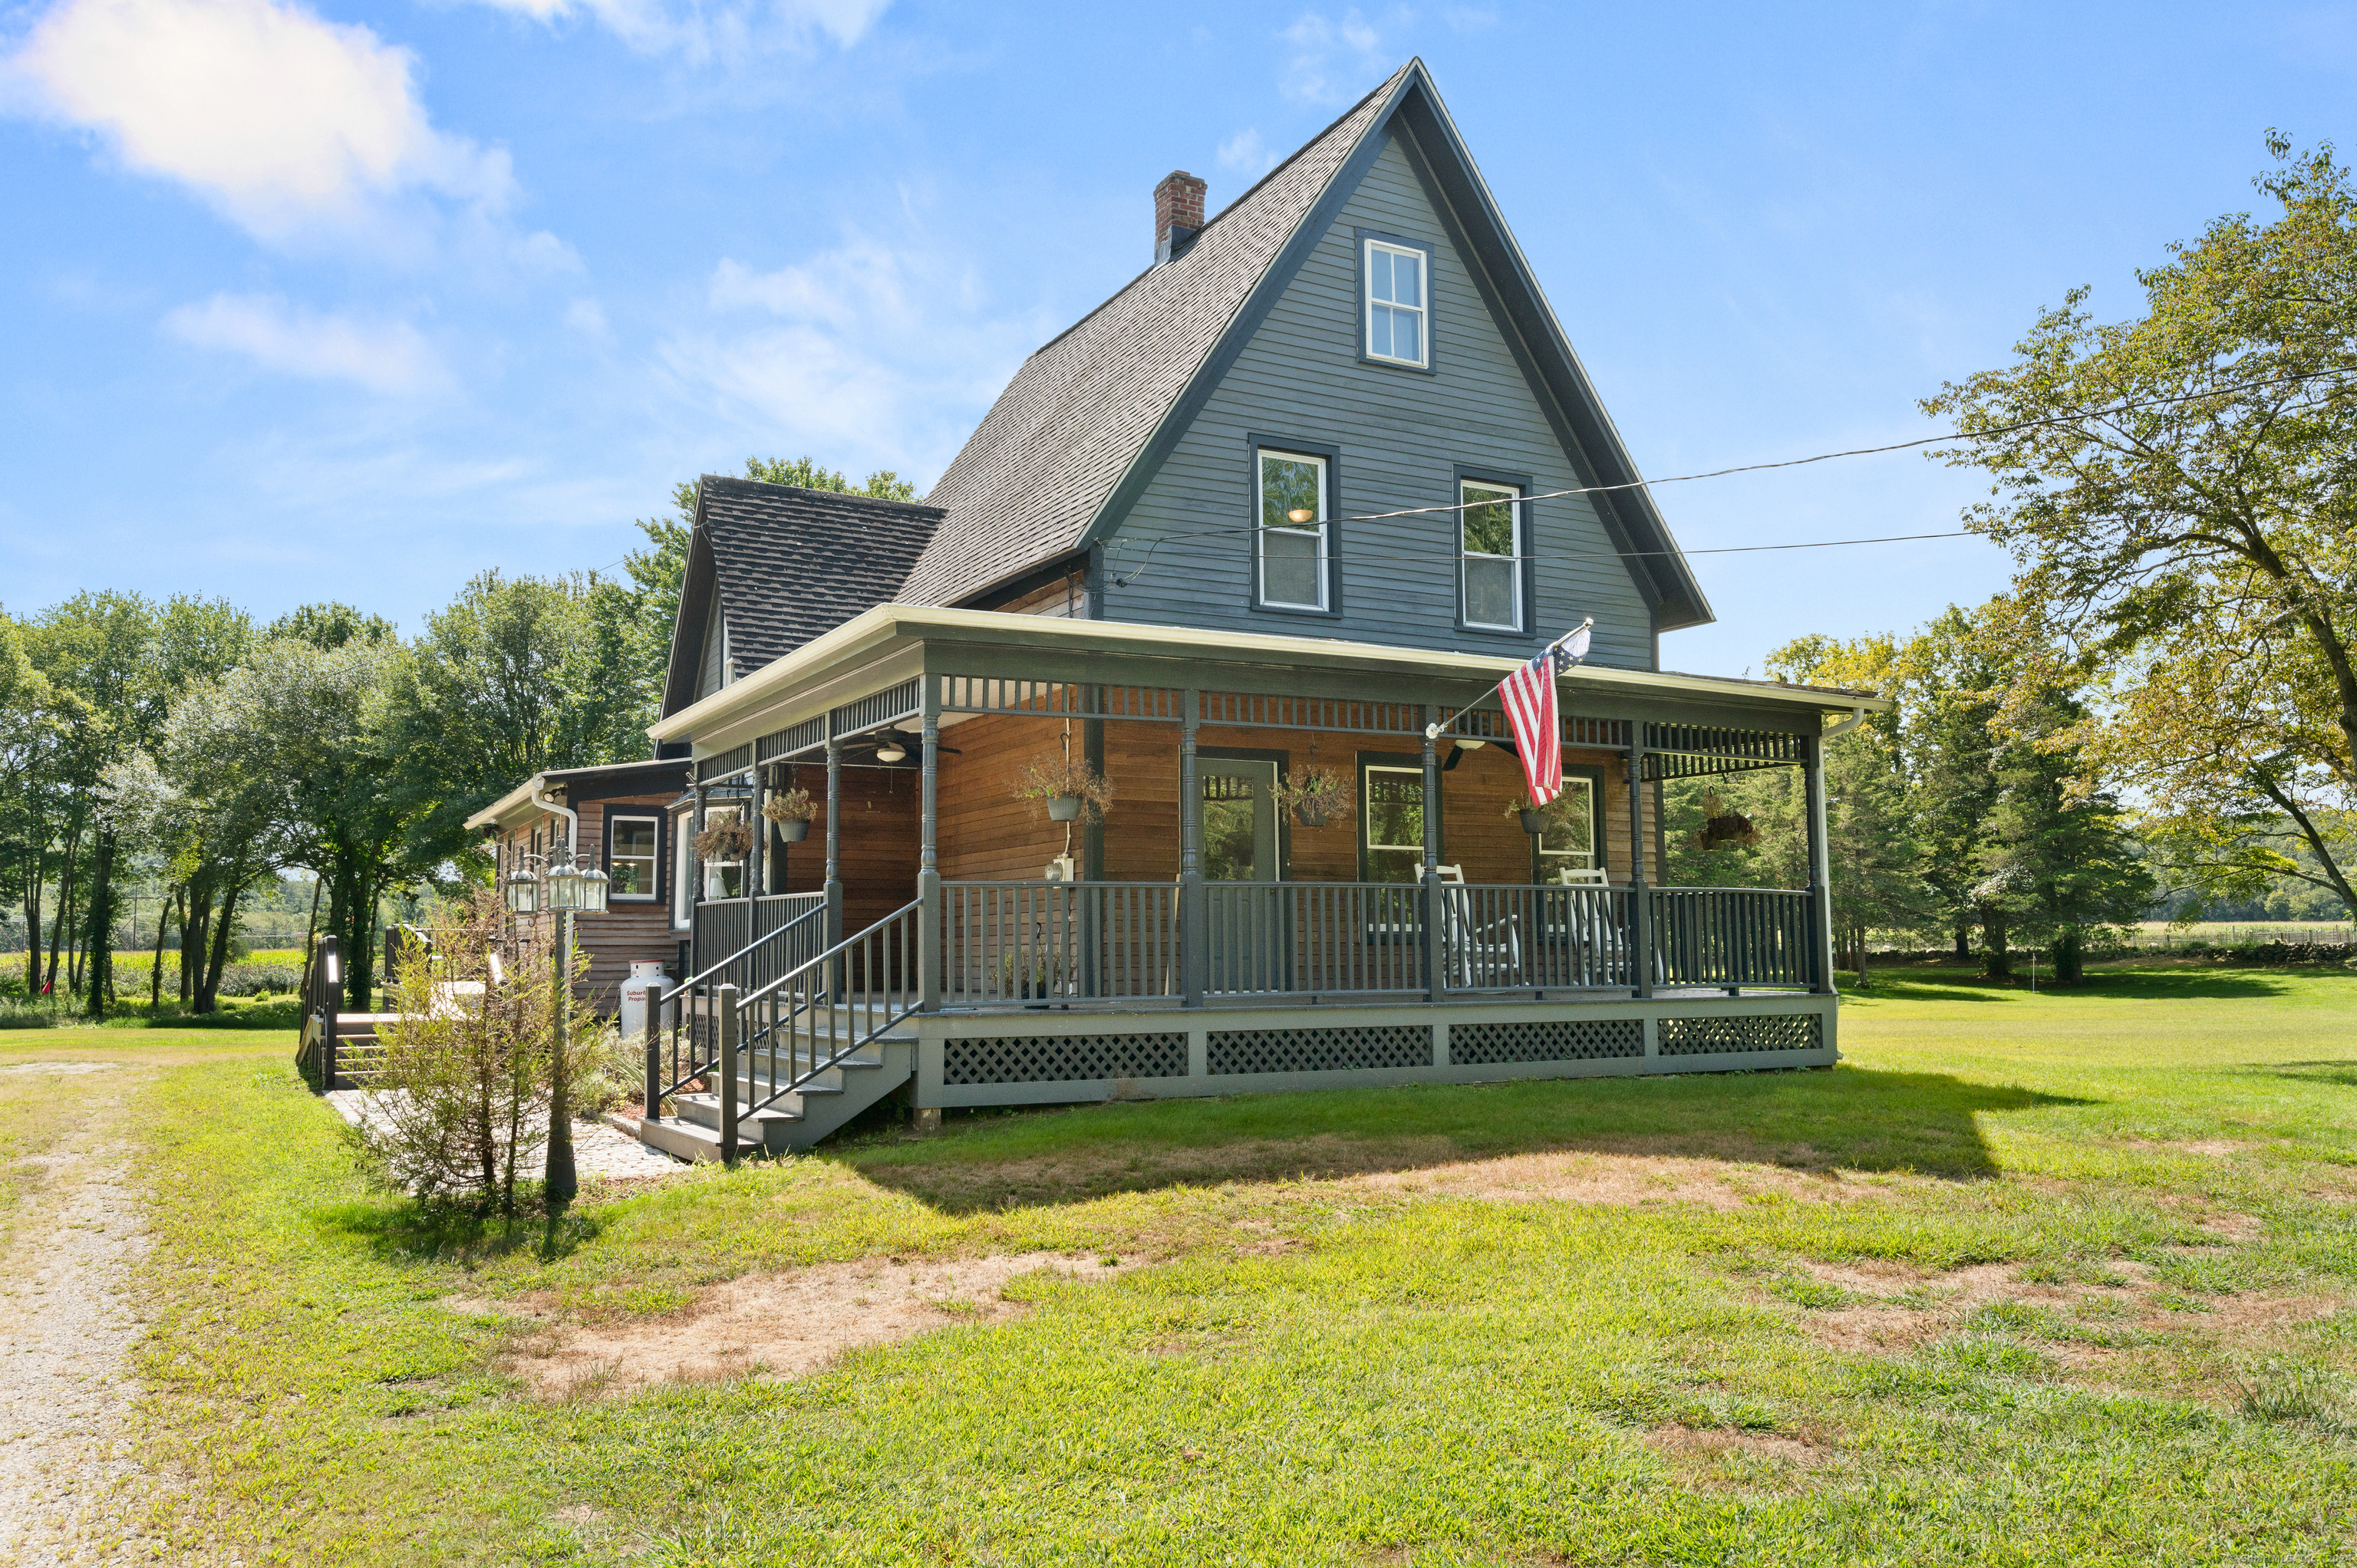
(2062, 1278)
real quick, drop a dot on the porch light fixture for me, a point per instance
(891, 751)
(1464, 744)
(524, 893)
(559, 886)
(1301, 514)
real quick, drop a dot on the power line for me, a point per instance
(2128, 407)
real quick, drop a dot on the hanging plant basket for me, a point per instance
(1725, 828)
(1072, 790)
(727, 841)
(1534, 819)
(791, 810)
(1315, 796)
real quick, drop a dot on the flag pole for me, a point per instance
(1432, 731)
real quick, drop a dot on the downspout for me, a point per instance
(572, 818)
(1856, 717)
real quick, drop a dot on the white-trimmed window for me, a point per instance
(633, 855)
(1398, 329)
(1291, 535)
(1569, 841)
(683, 868)
(1393, 824)
(1489, 550)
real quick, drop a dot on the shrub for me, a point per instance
(255, 979)
(282, 1013)
(16, 1015)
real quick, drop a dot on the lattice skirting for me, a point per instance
(1553, 1040)
(1063, 1058)
(1713, 1036)
(1321, 1050)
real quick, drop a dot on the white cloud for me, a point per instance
(702, 29)
(385, 357)
(876, 356)
(587, 317)
(287, 122)
(1332, 61)
(1247, 155)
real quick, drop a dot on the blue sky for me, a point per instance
(311, 298)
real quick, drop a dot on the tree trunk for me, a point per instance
(33, 888)
(1963, 944)
(1997, 958)
(101, 925)
(340, 900)
(59, 925)
(156, 970)
(209, 988)
(2070, 957)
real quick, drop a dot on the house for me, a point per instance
(627, 817)
(1291, 502)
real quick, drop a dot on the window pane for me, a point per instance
(1490, 592)
(1290, 569)
(1407, 337)
(1231, 809)
(1572, 840)
(1379, 329)
(1407, 279)
(1379, 274)
(1289, 485)
(1489, 529)
(1394, 817)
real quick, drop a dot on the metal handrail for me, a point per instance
(893, 996)
(679, 997)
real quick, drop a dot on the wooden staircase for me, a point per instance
(799, 1117)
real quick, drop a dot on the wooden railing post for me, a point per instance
(1194, 929)
(654, 1053)
(833, 852)
(1436, 912)
(929, 870)
(1640, 910)
(1820, 903)
(331, 997)
(725, 1070)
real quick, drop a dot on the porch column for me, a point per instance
(1194, 929)
(1435, 913)
(697, 957)
(1641, 909)
(1820, 903)
(929, 871)
(834, 837)
(757, 874)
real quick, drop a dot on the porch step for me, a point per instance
(799, 1120)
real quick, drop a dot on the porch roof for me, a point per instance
(874, 638)
(518, 803)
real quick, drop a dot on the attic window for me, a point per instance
(1397, 328)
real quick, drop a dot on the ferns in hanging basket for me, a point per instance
(1724, 827)
(790, 806)
(724, 841)
(1055, 777)
(1316, 795)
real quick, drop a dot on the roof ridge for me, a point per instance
(858, 496)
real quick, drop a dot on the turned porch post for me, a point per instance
(1820, 902)
(1640, 911)
(697, 957)
(929, 871)
(1194, 929)
(834, 837)
(1435, 936)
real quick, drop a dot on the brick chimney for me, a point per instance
(1178, 213)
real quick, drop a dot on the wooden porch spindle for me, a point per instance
(1194, 930)
(1820, 903)
(928, 872)
(1641, 933)
(1435, 933)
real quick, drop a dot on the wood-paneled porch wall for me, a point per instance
(879, 841)
(988, 835)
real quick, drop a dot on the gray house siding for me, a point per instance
(1400, 438)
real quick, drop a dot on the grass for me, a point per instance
(2027, 1280)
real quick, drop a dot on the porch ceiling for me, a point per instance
(879, 638)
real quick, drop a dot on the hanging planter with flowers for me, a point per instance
(724, 841)
(791, 810)
(1072, 789)
(1315, 796)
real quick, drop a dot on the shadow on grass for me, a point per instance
(1810, 1122)
(438, 1230)
(2341, 1070)
(2170, 984)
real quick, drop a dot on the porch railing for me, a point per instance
(1535, 939)
(1025, 941)
(1328, 938)
(1012, 943)
(791, 933)
(1732, 935)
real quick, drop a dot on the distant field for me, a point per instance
(2235, 933)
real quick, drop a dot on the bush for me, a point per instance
(256, 979)
(614, 1069)
(284, 1013)
(14, 1016)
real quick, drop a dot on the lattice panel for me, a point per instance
(1063, 1058)
(1716, 1036)
(1553, 1040)
(1321, 1050)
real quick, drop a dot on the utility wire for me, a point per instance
(1748, 468)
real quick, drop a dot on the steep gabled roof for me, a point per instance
(1039, 469)
(1087, 418)
(785, 566)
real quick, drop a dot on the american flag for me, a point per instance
(1528, 697)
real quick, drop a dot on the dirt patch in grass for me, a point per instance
(1678, 1441)
(776, 1326)
(1622, 1179)
(58, 1066)
(965, 1186)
